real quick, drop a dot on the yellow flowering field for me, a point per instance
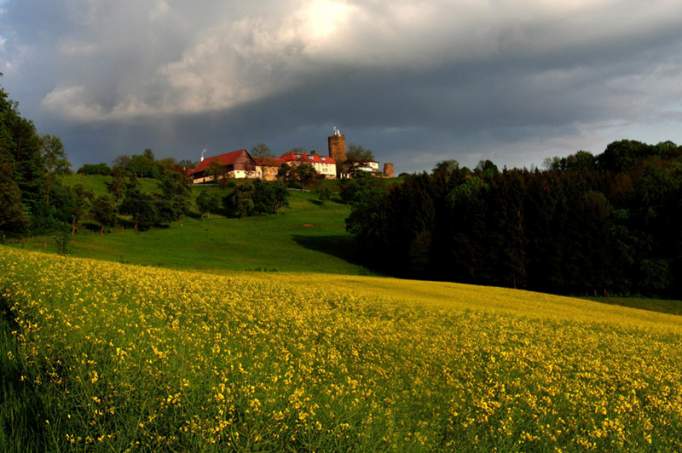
(137, 358)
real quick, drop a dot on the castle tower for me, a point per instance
(337, 146)
(389, 170)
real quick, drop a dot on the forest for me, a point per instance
(585, 225)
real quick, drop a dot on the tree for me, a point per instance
(446, 167)
(304, 174)
(255, 198)
(580, 161)
(298, 176)
(82, 198)
(117, 185)
(139, 206)
(268, 198)
(22, 147)
(13, 218)
(140, 165)
(186, 164)
(95, 169)
(360, 188)
(176, 192)
(261, 150)
(239, 203)
(104, 212)
(356, 157)
(487, 168)
(54, 157)
(358, 154)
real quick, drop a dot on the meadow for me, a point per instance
(111, 356)
(308, 236)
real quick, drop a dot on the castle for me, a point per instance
(240, 164)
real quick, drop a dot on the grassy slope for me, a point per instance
(674, 307)
(98, 184)
(306, 237)
(336, 362)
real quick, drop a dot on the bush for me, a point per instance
(209, 203)
(62, 239)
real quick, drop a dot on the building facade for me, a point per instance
(267, 168)
(233, 165)
(240, 165)
(325, 166)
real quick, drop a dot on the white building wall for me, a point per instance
(328, 170)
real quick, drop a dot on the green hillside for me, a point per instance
(97, 184)
(309, 236)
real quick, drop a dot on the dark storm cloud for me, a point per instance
(416, 81)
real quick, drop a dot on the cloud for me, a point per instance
(77, 49)
(417, 80)
(71, 102)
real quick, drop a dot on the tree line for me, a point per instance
(34, 199)
(31, 195)
(592, 225)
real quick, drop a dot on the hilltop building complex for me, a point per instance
(240, 164)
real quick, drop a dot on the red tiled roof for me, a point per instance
(223, 159)
(268, 161)
(292, 156)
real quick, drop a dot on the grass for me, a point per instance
(306, 237)
(97, 184)
(125, 357)
(20, 406)
(673, 307)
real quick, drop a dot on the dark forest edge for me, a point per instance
(586, 225)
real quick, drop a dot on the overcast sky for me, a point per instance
(417, 81)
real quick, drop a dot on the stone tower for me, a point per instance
(337, 146)
(389, 170)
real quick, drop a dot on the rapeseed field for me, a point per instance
(136, 358)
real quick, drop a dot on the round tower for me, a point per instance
(337, 146)
(389, 170)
